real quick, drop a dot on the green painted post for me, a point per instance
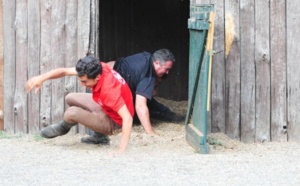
(199, 58)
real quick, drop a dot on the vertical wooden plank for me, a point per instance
(97, 28)
(71, 47)
(94, 35)
(45, 63)
(293, 72)
(83, 20)
(34, 41)
(247, 71)
(9, 40)
(218, 71)
(20, 99)
(83, 27)
(263, 74)
(278, 70)
(58, 49)
(71, 40)
(1, 70)
(233, 78)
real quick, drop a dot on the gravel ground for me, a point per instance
(162, 160)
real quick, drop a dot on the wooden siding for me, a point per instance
(39, 36)
(255, 88)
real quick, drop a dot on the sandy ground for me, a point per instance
(164, 160)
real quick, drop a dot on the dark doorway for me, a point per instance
(132, 26)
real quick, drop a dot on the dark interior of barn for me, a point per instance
(132, 26)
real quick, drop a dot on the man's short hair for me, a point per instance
(163, 55)
(90, 66)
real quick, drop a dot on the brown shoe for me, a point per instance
(57, 129)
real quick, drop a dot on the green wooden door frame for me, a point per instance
(199, 61)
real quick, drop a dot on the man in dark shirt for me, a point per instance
(142, 71)
(139, 73)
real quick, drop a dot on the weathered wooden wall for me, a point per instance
(40, 35)
(255, 90)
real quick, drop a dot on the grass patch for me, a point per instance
(214, 142)
(37, 137)
(4, 135)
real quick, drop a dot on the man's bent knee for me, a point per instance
(71, 114)
(70, 98)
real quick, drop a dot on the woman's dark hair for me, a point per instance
(89, 66)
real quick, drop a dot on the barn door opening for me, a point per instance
(131, 26)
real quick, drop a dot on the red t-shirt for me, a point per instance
(112, 92)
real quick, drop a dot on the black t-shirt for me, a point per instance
(138, 71)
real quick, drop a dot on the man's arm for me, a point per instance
(126, 127)
(143, 113)
(37, 81)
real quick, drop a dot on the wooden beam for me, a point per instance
(209, 46)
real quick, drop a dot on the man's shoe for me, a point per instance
(57, 129)
(96, 138)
